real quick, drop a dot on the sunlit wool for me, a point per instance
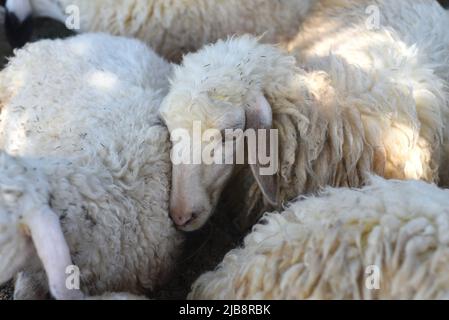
(389, 240)
(178, 26)
(346, 102)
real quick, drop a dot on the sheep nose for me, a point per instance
(183, 217)
(181, 220)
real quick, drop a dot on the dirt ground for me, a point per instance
(203, 252)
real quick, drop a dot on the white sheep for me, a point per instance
(83, 147)
(378, 103)
(389, 240)
(170, 28)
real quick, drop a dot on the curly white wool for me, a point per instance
(333, 245)
(81, 114)
(176, 27)
(364, 100)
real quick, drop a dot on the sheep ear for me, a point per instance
(53, 251)
(259, 117)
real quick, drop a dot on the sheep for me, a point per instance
(389, 240)
(411, 51)
(85, 168)
(378, 104)
(170, 28)
(25, 213)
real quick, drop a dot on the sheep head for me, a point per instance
(217, 100)
(29, 226)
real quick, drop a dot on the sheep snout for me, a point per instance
(183, 217)
(188, 217)
(195, 193)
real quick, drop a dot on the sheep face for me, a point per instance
(197, 184)
(223, 87)
(15, 244)
(15, 205)
(209, 136)
(28, 227)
